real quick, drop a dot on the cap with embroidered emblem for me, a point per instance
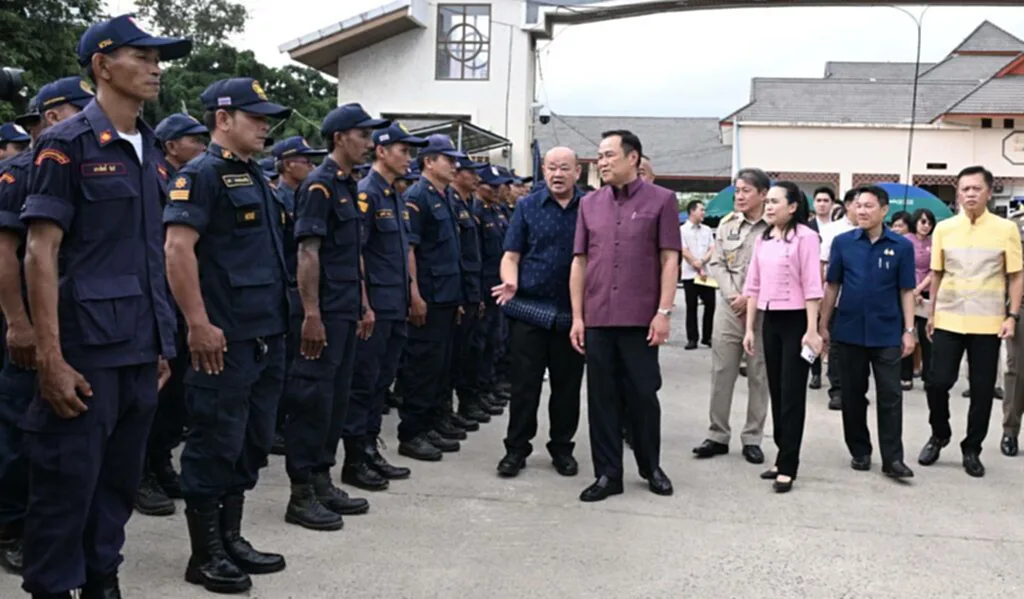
(241, 93)
(492, 175)
(179, 125)
(464, 164)
(107, 36)
(295, 145)
(349, 116)
(441, 144)
(396, 133)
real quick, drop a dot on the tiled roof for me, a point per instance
(998, 96)
(990, 38)
(676, 146)
(849, 100)
(966, 67)
(872, 70)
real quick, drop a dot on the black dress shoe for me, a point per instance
(511, 464)
(602, 489)
(769, 474)
(706, 343)
(1009, 446)
(815, 382)
(565, 464)
(753, 454)
(897, 469)
(445, 445)
(931, 450)
(782, 486)
(973, 465)
(467, 424)
(690, 345)
(710, 448)
(835, 402)
(419, 448)
(150, 499)
(861, 463)
(658, 483)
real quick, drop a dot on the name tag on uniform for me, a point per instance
(385, 213)
(249, 217)
(463, 215)
(733, 235)
(237, 180)
(103, 169)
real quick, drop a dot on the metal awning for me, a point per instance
(467, 137)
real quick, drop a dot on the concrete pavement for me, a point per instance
(457, 530)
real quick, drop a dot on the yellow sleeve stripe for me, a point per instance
(321, 187)
(413, 206)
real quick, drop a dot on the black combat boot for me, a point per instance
(150, 499)
(356, 470)
(381, 465)
(240, 550)
(168, 479)
(446, 428)
(335, 499)
(306, 510)
(467, 424)
(209, 564)
(420, 448)
(102, 588)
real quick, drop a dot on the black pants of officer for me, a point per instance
(83, 475)
(428, 356)
(317, 394)
(171, 415)
(231, 420)
(614, 354)
(17, 387)
(534, 350)
(858, 363)
(376, 364)
(982, 368)
(465, 367)
(484, 342)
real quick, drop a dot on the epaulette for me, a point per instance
(67, 130)
(727, 218)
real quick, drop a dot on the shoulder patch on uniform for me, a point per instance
(364, 206)
(103, 169)
(52, 154)
(161, 171)
(412, 206)
(180, 189)
(321, 187)
(243, 180)
(7, 178)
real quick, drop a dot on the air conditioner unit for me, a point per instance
(1000, 190)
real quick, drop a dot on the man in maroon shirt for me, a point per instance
(623, 283)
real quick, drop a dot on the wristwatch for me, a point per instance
(910, 331)
(1013, 315)
(666, 312)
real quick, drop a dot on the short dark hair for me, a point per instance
(630, 142)
(826, 190)
(904, 216)
(878, 192)
(754, 176)
(918, 215)
(693, 206)
(990, 179)
(850, 195)
(210, 117)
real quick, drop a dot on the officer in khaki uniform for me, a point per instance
(1013, 404)
(733, 248)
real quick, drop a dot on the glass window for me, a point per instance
(463, 41)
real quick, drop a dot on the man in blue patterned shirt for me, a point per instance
(535, 295)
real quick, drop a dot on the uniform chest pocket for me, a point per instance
(386, 224)
(346, 227)
(247, 212)
(109, 208)
(442, 221)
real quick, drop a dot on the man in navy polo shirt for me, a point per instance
(535, 295)
(94, 249)
(873, 327)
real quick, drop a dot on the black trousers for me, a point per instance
(858, 362)
(982, 365)
(782, 333)
(534, 350)
(907, 367)
(426, 371)
(614, 355)
(835, 358)
(694, 292)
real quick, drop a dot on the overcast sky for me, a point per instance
(679, 64)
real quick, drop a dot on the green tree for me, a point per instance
(40, 36)
(205, 22)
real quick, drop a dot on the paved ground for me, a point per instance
(457, 530)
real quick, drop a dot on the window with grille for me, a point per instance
(463, 42)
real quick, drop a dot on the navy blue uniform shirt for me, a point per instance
(385, 247)
(872, 276)
(286, 195)
(469, 242)
(326, 208)
(542, 232)
(240, 224)
(492, 241)
(114, 307)
(14, 180)
(434, 232)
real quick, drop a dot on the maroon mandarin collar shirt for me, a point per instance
(622, 232)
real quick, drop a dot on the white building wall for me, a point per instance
(398, 76)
